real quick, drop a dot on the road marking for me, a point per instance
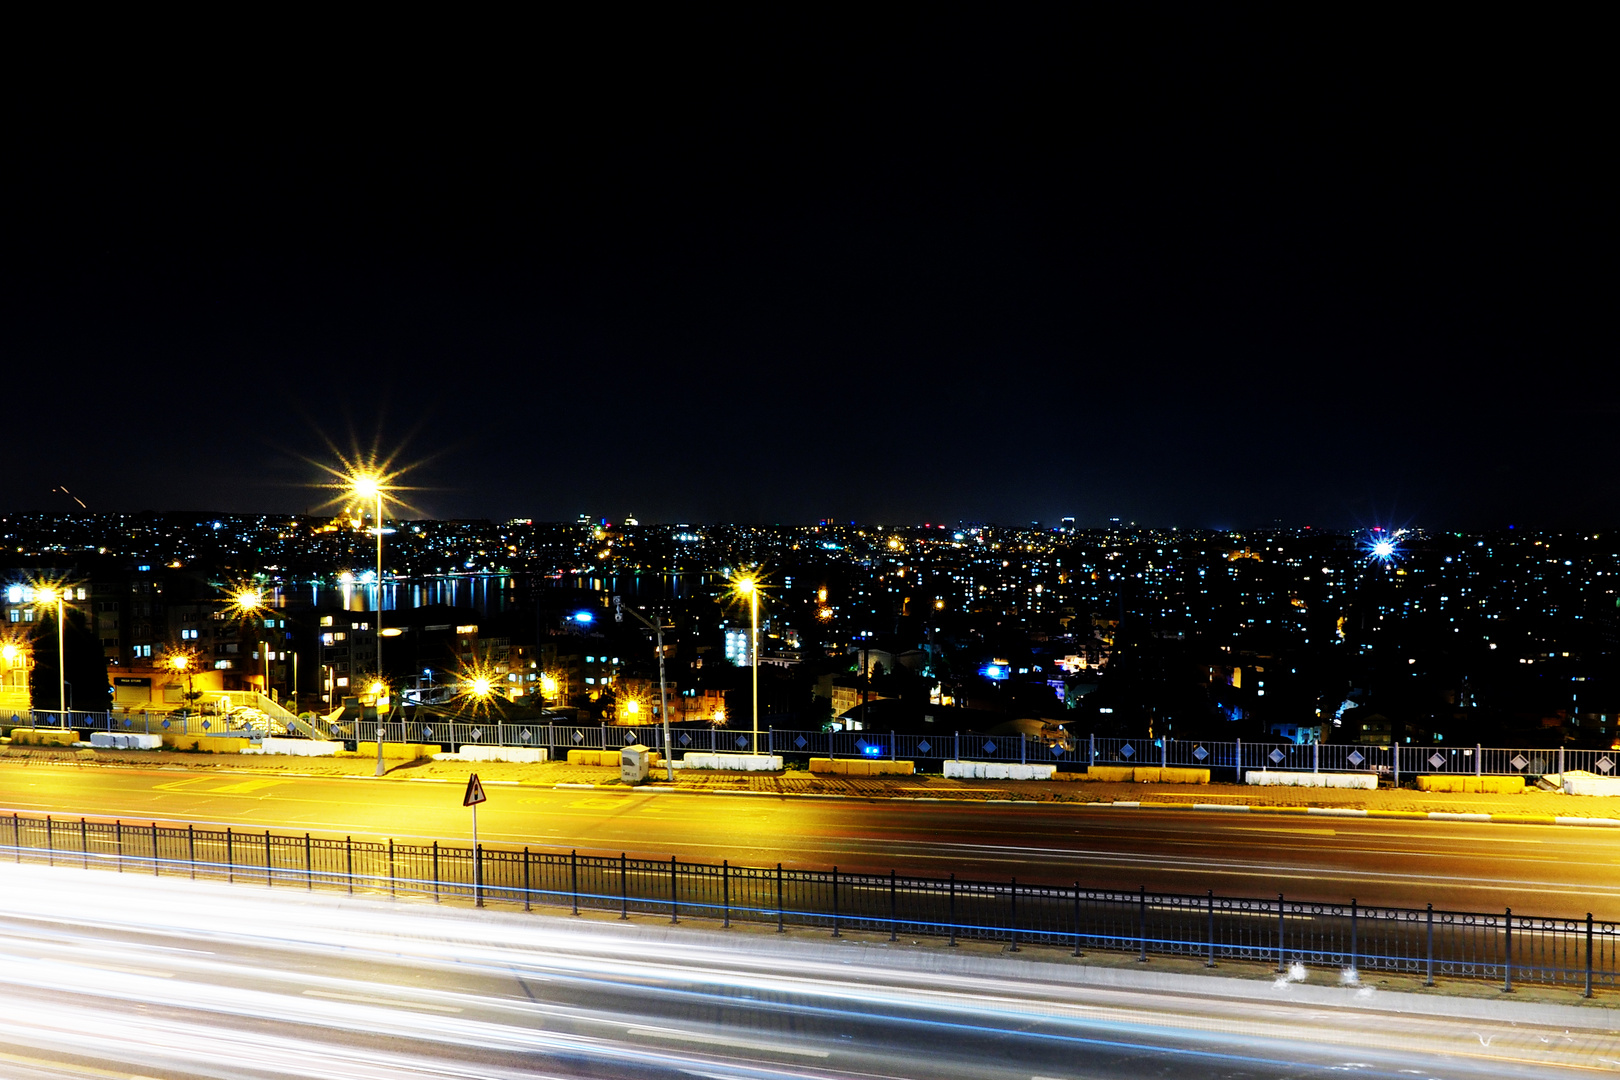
(719, 1040)
(244, 787)
(366, 999)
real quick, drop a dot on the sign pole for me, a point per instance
(474, 796)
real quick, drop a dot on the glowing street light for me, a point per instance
(749, 586)
(249, 603)
(45, 596)
(368, 486)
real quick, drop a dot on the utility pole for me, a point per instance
(663, 693)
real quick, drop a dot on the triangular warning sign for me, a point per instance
(475, 792)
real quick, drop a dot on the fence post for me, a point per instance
(1507, 951)
(84, 842)
(1023, 748)
(528, 892)
(391, 891)
(348, 861)
(891, 744)
(1428, 977)
(1093, 759)
(435, 871)
(1141, 922)
(725, 894)
(781, 927)
(118, 831)
(16, 837)
(1281, 962)
(835, 902)
(894, 932)
(191, 849)
(1479, 760)
(674, 902)
(1588, 955)
(1164, 751)
(1395, 758)
(1237, 756)
(956, 746)
(1354, 927)
(1077, 905)
(1560, 762)
(269, 861)
(573, 877)
(1210, 900)
(155, 870)
(953, 911)
(1316, 755)
(624, 887)
(309, 864)
(50, 842)
(478, 871)
(1013, 921)
(230, 856)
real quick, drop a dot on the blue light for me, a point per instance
(1383, 549)
(584, 617)
(871, 751)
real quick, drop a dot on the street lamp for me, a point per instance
(181, 662)
(45, 596)
(749, 587)
(369, 486)
(250, 603)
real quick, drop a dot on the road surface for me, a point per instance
(1543, 870)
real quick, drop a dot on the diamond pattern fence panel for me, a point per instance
(1426, 943)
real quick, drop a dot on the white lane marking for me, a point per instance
(719, 1040)
(366, 999)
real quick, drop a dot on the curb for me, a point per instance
(1354, 812)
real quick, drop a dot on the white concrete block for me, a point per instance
(732, 762)
(125, 740)
(294, 747)
(1019, 772)
(1270, 778)
(1587, 783)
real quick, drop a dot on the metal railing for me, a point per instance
(1425, 942)
(1075, 751)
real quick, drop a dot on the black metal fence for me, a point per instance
(1422, 942)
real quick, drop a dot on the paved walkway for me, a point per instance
(1531, 807)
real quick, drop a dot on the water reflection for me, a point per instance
(489, 593)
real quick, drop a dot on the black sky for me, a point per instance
(1192, 269)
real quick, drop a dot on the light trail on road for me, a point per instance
(132, 977)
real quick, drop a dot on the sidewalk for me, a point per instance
(1531, 807)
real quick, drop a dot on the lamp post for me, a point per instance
(663, 694)
(181, 662)
(749, 587)
(369, 486)
(45, 596)
(250, 603)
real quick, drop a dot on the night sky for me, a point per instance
(1193, 269)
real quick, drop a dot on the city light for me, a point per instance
(584, 618)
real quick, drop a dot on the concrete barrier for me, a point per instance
(1146, 774)
(122, 740)
(524, 755)
(862, 767)
(408, 751)
(608, 759)
(731, 762)
(997, 770)
(1267, 778)
(1490, 785)
(1587, 783)
(297, 747)
(44, 736)
(207, 744)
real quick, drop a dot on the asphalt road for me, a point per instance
(130, 978)
(1541, 870)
